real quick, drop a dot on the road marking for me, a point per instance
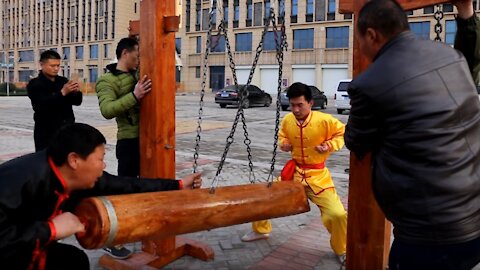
(16, 128)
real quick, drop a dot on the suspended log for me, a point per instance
(129, 218)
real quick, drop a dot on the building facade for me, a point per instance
(319, 42)
(83, 32)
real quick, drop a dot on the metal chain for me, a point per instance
(243, 93)
(202, 92)
(438, 26)
(280, 46)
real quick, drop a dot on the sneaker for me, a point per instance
(253, 236)
(118, 252)
(342, 258)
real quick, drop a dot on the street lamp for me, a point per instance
(7, 79)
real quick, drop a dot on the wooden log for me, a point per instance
(123, 219)
(346, 6)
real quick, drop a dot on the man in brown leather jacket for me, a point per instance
(416, 109)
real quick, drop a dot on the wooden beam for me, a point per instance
(121, 219)
(346, 6)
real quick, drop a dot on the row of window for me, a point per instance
(29, 55)
(256, 13)
(26, 75)
(336, 37)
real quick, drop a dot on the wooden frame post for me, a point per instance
(158, 25)
(368, 233)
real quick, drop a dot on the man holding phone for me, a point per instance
(52, 97)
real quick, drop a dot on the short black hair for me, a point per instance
(78, 138)
(125, 44)
(299, 89)
(49, 54)
(385, 16)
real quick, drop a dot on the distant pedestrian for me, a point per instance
(52, 97)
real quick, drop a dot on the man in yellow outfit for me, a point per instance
(311, 136)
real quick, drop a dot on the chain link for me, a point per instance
(243, 94)
(438, 26)
(280, 46)
(202, 92)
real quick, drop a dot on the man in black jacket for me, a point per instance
(38, 191)
(52, 97)
(416, 109)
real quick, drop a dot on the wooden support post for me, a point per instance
(368, 234)
(157, 130)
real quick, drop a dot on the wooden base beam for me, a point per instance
(150, 261)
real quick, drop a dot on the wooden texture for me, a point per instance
(347, 6)
(161, 214)
(157, 121)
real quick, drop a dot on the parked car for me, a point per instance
(230, 96)
(319, 99)
(342, 101)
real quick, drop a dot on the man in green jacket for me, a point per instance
(467, 39)
(119, 92)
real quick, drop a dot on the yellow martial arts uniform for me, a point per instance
(317, 128)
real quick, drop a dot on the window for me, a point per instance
(94, 51)
(447, 7)
(303, 39)
(178, 45)
(66, 53)
(269, 41)
(331, 10)
(337, 37)
(25, 75)
(243, 42)
(267, 9)
(197, 72)
(257, 13)
(309, 7)
(428, 10)
(198, 48)
(294, 7)
(236, 11)
(25, 56)
(205, 19)
(79, 52)
(248, 22)
(106, 50)
(331, 6)
(225, 12)
(450, 31)
(421, 29)
(93, 74)
(217, 43)
(309, 13)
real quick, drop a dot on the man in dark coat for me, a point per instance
(38, 191)
(52, 97)
(416, 109)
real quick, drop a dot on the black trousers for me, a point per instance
(128, 155)
(463, 256)
(62, 256)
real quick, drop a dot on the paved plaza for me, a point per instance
(297, 242)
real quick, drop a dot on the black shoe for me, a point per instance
(118, 252)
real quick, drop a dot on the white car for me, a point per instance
(342, 101)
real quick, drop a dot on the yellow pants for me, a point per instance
(334, 218)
